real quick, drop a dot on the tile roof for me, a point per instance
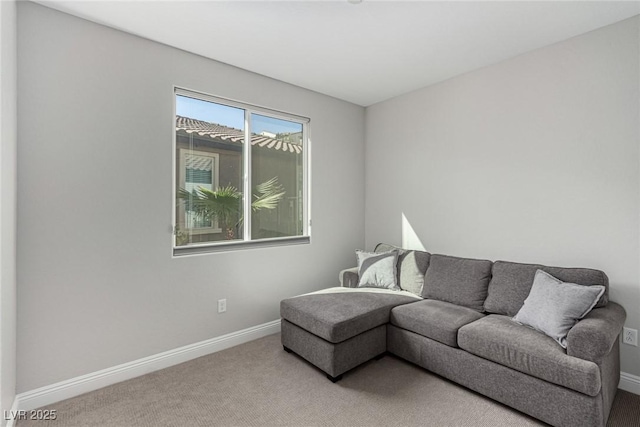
(228, 134)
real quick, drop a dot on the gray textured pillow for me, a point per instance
(511, 283)
(554, 306)
(377, 270)
(412, 266)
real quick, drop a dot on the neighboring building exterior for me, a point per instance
(209, 155)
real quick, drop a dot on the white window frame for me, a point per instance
(215, 177)
(246, 242)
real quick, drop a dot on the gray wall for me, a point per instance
(535, 159)
(8, 127)
(96, 282)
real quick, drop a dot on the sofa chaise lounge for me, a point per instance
(460, 327)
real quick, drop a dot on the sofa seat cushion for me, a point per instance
(501, 340)
(438, 320)
(338, 316)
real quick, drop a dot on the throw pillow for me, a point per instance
(412, 266)
(554, 306)
(377, 270)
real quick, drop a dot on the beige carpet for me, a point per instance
(258, 384)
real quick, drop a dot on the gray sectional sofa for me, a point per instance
(461, 327)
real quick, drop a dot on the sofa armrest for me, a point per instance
(593, 337)
(349, 278)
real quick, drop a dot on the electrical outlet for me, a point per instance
(630, 336)
(222, 305)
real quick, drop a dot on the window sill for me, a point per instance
(239, 245)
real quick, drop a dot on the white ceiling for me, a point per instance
(363, 53)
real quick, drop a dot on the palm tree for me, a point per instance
(224, 204)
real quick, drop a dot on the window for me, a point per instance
(198, 169)
(233, 194)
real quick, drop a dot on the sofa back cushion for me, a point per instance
(412, 266)
(511, 283)
(460, 281)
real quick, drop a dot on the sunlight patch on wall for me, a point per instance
(410, 239)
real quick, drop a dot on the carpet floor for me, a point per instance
(259, 384)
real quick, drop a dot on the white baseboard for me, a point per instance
(629, 383)
(76, 386)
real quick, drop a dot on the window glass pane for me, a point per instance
(209, 171)
(277, 177)
(199, 170)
